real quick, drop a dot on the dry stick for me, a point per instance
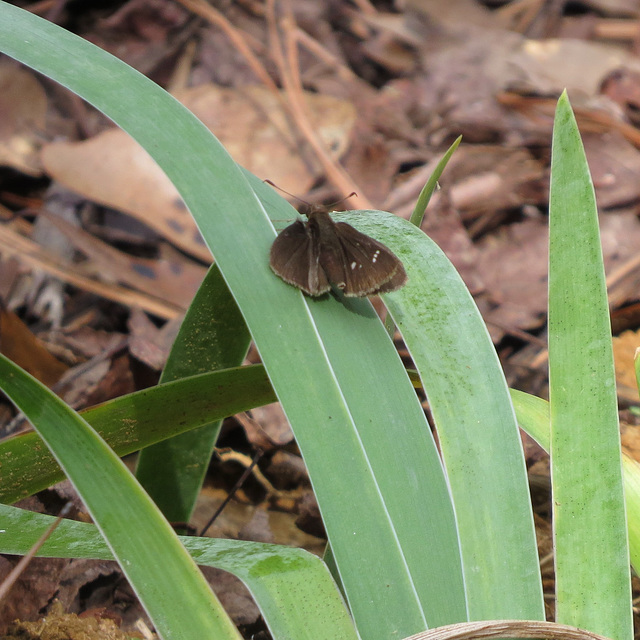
(207, 12)
(519, 333)
(29, 252)
(290, 75)
(335, 173)
(546, 560)
(323, 54)
(237, 39)
(591, 120)
(623, 271)
(290, 68)
(296, 106)
(233, 491)
(616, 29)
(17, 571)
(182, 71)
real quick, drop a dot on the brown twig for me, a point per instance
(592, 120)
(290, 76)
(322, 53)
(29, 252)
(251, 467)
(206, 11)
(20, 567)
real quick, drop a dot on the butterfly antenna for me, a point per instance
(275, 186)
(333, 204)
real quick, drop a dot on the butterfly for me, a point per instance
(319, 253)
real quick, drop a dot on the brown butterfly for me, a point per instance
(319, 253)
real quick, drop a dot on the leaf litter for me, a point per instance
(99, 258)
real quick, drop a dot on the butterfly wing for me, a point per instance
(295, 258)
(397, 281)
(366, 267)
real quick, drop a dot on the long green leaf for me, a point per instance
(395, 436)
(477, 430)
(212, 336)
(427, 191)
(593, 588)
(137, 420)
(173, 592)
(533, 417)
(382, 595)
(292, 588)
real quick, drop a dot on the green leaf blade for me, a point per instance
(476, 425)
(292, 588)
(212, 336)
(592, 573)
(137, 420)
(239, 233)
(173, 592)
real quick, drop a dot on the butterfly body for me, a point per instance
(320, 253)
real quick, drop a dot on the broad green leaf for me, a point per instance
(382, 595)
(593, 588)
(173, 592)
(477, 431)
(394, 434)
(137, 420)
(212, 336)
(292, 588)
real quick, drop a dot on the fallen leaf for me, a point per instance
(624, 349)
(255, 129)
(20, 345)
(23, 108)
(113, 170)
(614, 164)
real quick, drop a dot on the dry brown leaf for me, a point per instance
(547, 67)
(114, 170)
(253, 126)
(624, 349)
(462, 81)
(233, 595)
(173, 277)
(20, 345)
(513, 266)
(485, 178)
(148, 343)
(614, 164)
(266, 426)
(23, 108)
(443, 224)
(35, 587)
